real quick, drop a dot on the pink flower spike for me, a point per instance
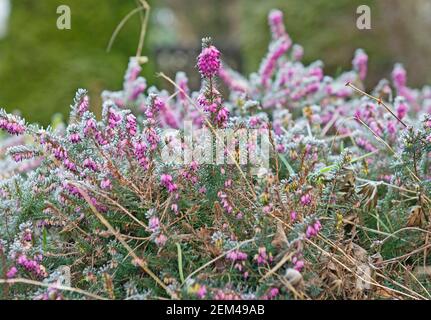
(12, 273)
(209, 62)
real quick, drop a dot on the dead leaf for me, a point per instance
(416, 217)
(280, 239)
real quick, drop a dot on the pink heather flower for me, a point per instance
(71, 189)
(306, 199)
(83, 104)
(272, 294)
(297, 52)
(154, 224)
(90, 164)
(60, 153)
(139, 150)
(220, 295)
(236, 255)
(202, 189)
(201, 293)
(11, 126)
(401, 107)
(222, 115)
(391, 127)
(225, 202)
(138, 88)
(174, 208)
(209, 62)
(360, 63)
(232, 80)
(275, 20)
(12, 273)
(98, 205)
(69, 164)
(166, 181)
(31, 265)
(131, 124)
(157, 106)
(310, 232)
(293, 216)
(261, 257)
(281, 148)
(152, 138)
(313, 230)
(182, 82)
(317, 226)
(133, 70)
(365, 144)
(268, 66)
(316, 71)
(106, 184)
(114, 118)
(399, 76)
(22, 155)
(90, 126)
(160, 240)
(172, 187)
(27, 235)
(267, 209)
(74, 138)
(228, 183)
(298, 264)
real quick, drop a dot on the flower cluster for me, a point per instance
(345, 170)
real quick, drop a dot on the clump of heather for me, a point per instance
(124, 207)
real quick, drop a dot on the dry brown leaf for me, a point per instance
(280, 239)
(416, 217)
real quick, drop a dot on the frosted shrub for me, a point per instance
(347, 172)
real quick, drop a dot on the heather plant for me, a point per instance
(92, 209)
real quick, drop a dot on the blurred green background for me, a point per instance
(41, 67)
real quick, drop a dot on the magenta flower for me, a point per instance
(11, 125)
(131, 125)
(138, 89)
(201, 293)
(12, 273)
(83, 104)
(90, 126)
(360, 63)
(114, 118)
(401, 107)
(313, 230)
(306, 199)
(399, 76)
(160, 240)
(267, 68)
(167, 181)
(236, 255)
(74, 138)
(209, 62)
(90, 164)
(154, 224)
(298, 264)
(106, 184)
(275, 20)
(261, 257)
(297, 52)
